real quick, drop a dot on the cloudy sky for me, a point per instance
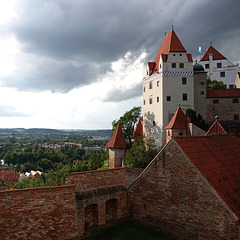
(79, 64)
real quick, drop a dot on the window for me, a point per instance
(201, 92)
(157, 83)
(180, 54)
(236, 117)
(184, 97)
(144, 89)
(184, 80)
(168, 98)
(150, 85)
(160, 66)
(150, 100)
(154, 123)
(222, 74)
(235, 100)
(181, 133)
(181, 65)
(147, 72)
(174, 54)
(168, 132)
(231, 86)
(201, 83)
(219, 65)
(143, 102)
(174, 65)
(215, 101)
(157, 99)
(207, 65)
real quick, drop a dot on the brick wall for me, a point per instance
(96, 179)
(172, 195)
(38, 213)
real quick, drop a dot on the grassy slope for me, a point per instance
(128, 230)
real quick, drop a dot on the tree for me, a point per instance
(141, 153)
(196, 119)
(214, 84)
(128, 121)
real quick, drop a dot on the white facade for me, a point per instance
(164, 91)
(221, 70)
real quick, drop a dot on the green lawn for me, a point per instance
(128, 230)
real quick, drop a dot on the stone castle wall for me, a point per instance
(182, 202)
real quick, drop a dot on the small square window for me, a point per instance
(150, 85)
(201, 83)
(168, 98)
(174, 65)
(235, 100)
(207, 65)
(231, 86)
(181, 65)
(184, 97)
(215, 101)
(184, 80)
(180, 132)
(201, 92)
(222, 74)
(150, 100)
(219, 65)
(236, 117)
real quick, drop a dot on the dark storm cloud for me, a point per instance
(95, 33)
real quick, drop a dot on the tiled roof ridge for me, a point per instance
(216, 54)
(235, 92)
(117, 140)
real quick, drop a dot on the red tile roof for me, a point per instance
(138, 131)
(220, 93)
(117, 140)
(217, 158)
(238, 74)
(189, 56)
(216, 54)
(216, 128)
(9, 176)
(151, 65)
(170, 43)
(178, 121)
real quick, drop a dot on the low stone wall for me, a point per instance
(38, 213)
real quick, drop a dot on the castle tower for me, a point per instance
(178, 126)
(117, 147)
(168, 83)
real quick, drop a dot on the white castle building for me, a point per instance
(168, 83)
(218, 67)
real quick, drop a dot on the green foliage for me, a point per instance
(196, 119)
(141, 153)
(214, 84)
(128, 121)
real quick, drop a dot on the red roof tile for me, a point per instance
(170, 43)
(189, 56)
(117, 140)
(138, 131)
(151, 65)
(217, 158)
(216, 54)
(178, 121)
(216, 128)
(238, 74)
(9, 176)
(219, 93)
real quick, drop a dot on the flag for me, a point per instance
(199, 49)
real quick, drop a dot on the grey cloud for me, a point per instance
(94, 33)
(118, 95)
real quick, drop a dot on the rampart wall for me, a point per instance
(38, 213)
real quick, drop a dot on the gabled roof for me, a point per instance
(178, 121)
(238, 74)
(117, 140)
(216, 54)
(218, 93)
(138, 131)
(9, 176)
(216, 128)
(217, 158)
(170, 43)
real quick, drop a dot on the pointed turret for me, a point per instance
(138, 131)
(178, 125)
(117, 146)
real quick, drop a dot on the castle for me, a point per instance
(191, 189)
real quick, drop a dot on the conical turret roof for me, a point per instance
(178, 121)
